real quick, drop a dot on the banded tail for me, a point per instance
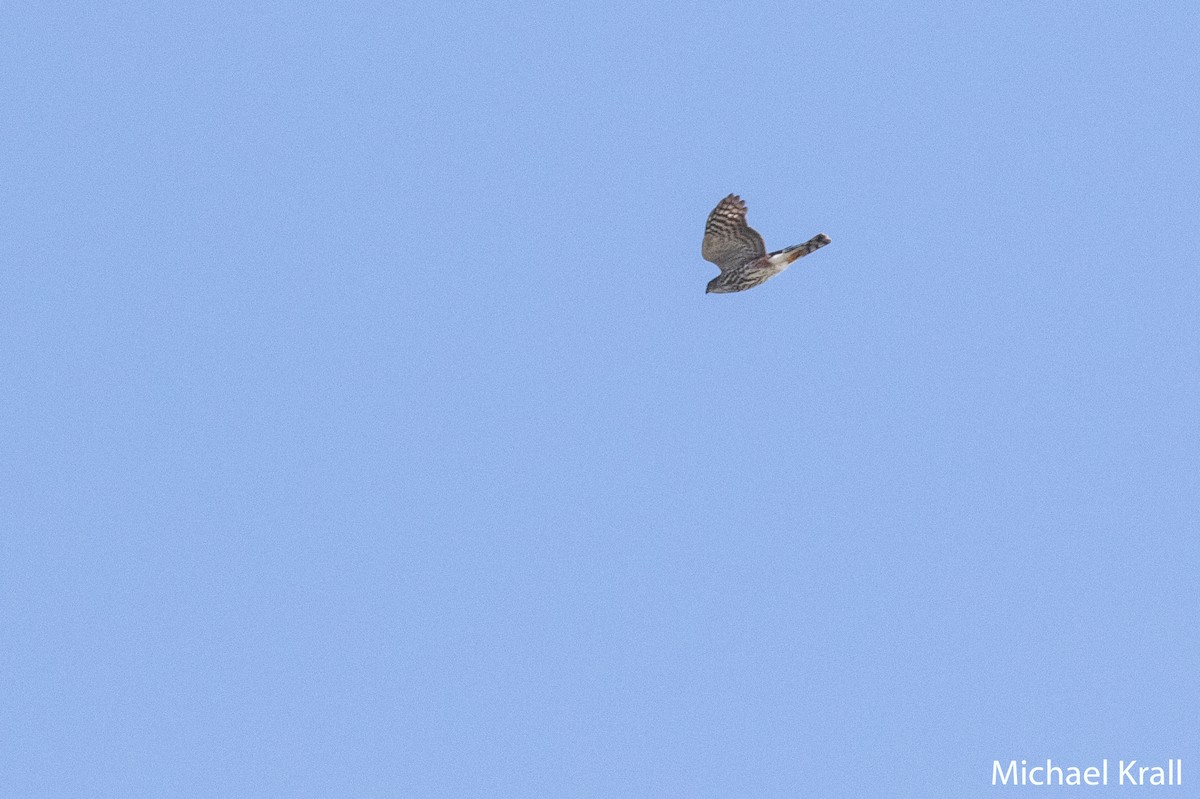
(797, 251)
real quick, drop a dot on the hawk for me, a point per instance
(738, 249)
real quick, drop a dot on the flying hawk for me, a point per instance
(738, 249)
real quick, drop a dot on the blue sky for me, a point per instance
(367, 430)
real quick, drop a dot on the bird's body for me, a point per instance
(739, 251)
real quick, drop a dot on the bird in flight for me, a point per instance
(738, 249)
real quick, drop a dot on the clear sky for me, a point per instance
(367, 431)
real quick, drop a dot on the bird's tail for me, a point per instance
(798, 251)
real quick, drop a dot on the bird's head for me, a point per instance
(717, 286)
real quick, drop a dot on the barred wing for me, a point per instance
(728, 241)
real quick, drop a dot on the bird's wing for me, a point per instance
(728, 241)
